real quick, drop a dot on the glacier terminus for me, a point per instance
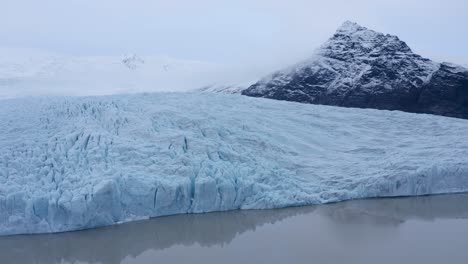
(71, 163)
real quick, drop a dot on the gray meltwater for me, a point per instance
(431, 229)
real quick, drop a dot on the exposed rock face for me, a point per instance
(362, 68)
(132, 61)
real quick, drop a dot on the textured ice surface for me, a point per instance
(74, 163)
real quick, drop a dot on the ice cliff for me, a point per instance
(74, 163)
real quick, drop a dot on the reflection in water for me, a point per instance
(113, 244)
(394, 211)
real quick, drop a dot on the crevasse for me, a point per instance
(75, 163)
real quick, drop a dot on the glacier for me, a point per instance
(71, 163)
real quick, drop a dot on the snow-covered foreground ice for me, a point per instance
(75, 163)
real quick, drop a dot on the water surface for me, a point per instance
(430, 229)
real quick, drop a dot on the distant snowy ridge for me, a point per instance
(75, 163)
(227, 89)
(359, 67)
(235, 88)
(36, 73)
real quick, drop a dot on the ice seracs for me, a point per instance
(75, 163)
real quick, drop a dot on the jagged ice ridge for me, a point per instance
(75, 163)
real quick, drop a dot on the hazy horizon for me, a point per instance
(259, 34)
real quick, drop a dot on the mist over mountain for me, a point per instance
(359, 67)
(30, 72)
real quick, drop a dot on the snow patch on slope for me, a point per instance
(234, 88)
(347, 60)
(75, 163)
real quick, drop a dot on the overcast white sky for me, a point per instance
(237, 31)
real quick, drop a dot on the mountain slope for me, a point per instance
(74, 163)
(359, 67)
(235, 88)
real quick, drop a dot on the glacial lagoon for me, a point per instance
(427, 229)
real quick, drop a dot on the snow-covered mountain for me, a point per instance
(30, 72)
(80, 162)
(359, 67)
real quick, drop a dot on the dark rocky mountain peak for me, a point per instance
(359, 67)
